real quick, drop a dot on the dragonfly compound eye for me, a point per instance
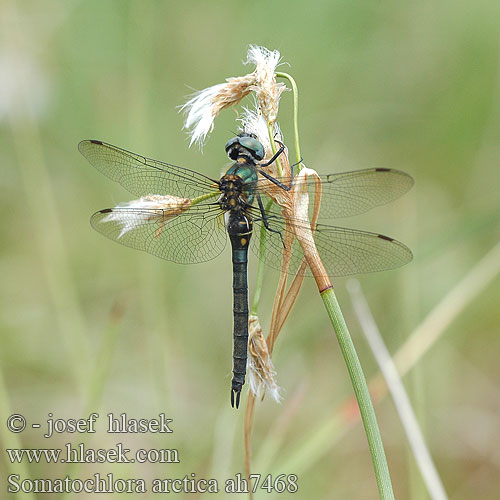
(245, 144)
(254, 146)
(230, 143)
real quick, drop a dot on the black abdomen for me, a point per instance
(239, 228)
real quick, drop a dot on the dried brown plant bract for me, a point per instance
(261, 373)
(304, 232)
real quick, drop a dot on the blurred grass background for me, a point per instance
(91, 326)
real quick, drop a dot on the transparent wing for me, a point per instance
(194, 236)
(352, 193)
(143, 176)
(343, 251)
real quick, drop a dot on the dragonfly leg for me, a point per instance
(280, 150)
(271, 178)
(265, 219)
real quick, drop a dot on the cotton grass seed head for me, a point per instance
(266, 88)
(129, 215)
(206, 104)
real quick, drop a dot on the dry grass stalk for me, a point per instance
(247, 431)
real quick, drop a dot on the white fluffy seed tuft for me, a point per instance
(202, 108)
(155, 207)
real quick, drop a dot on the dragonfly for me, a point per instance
(187, 217)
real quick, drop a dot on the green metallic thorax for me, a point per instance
(248, 174)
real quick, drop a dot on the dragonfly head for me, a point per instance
(245, 145)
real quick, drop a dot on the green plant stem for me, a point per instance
(295, 92)
(362, 394)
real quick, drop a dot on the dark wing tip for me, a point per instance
(383, 237)
(382, 169)
(83, 143)
(406, 255)
(105, 211)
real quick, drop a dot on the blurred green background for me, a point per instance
(87, 325)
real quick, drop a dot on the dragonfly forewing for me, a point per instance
(143, 176)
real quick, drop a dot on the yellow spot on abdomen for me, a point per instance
(243, 242)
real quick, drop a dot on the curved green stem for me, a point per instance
(295, 92)
(362, 395)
